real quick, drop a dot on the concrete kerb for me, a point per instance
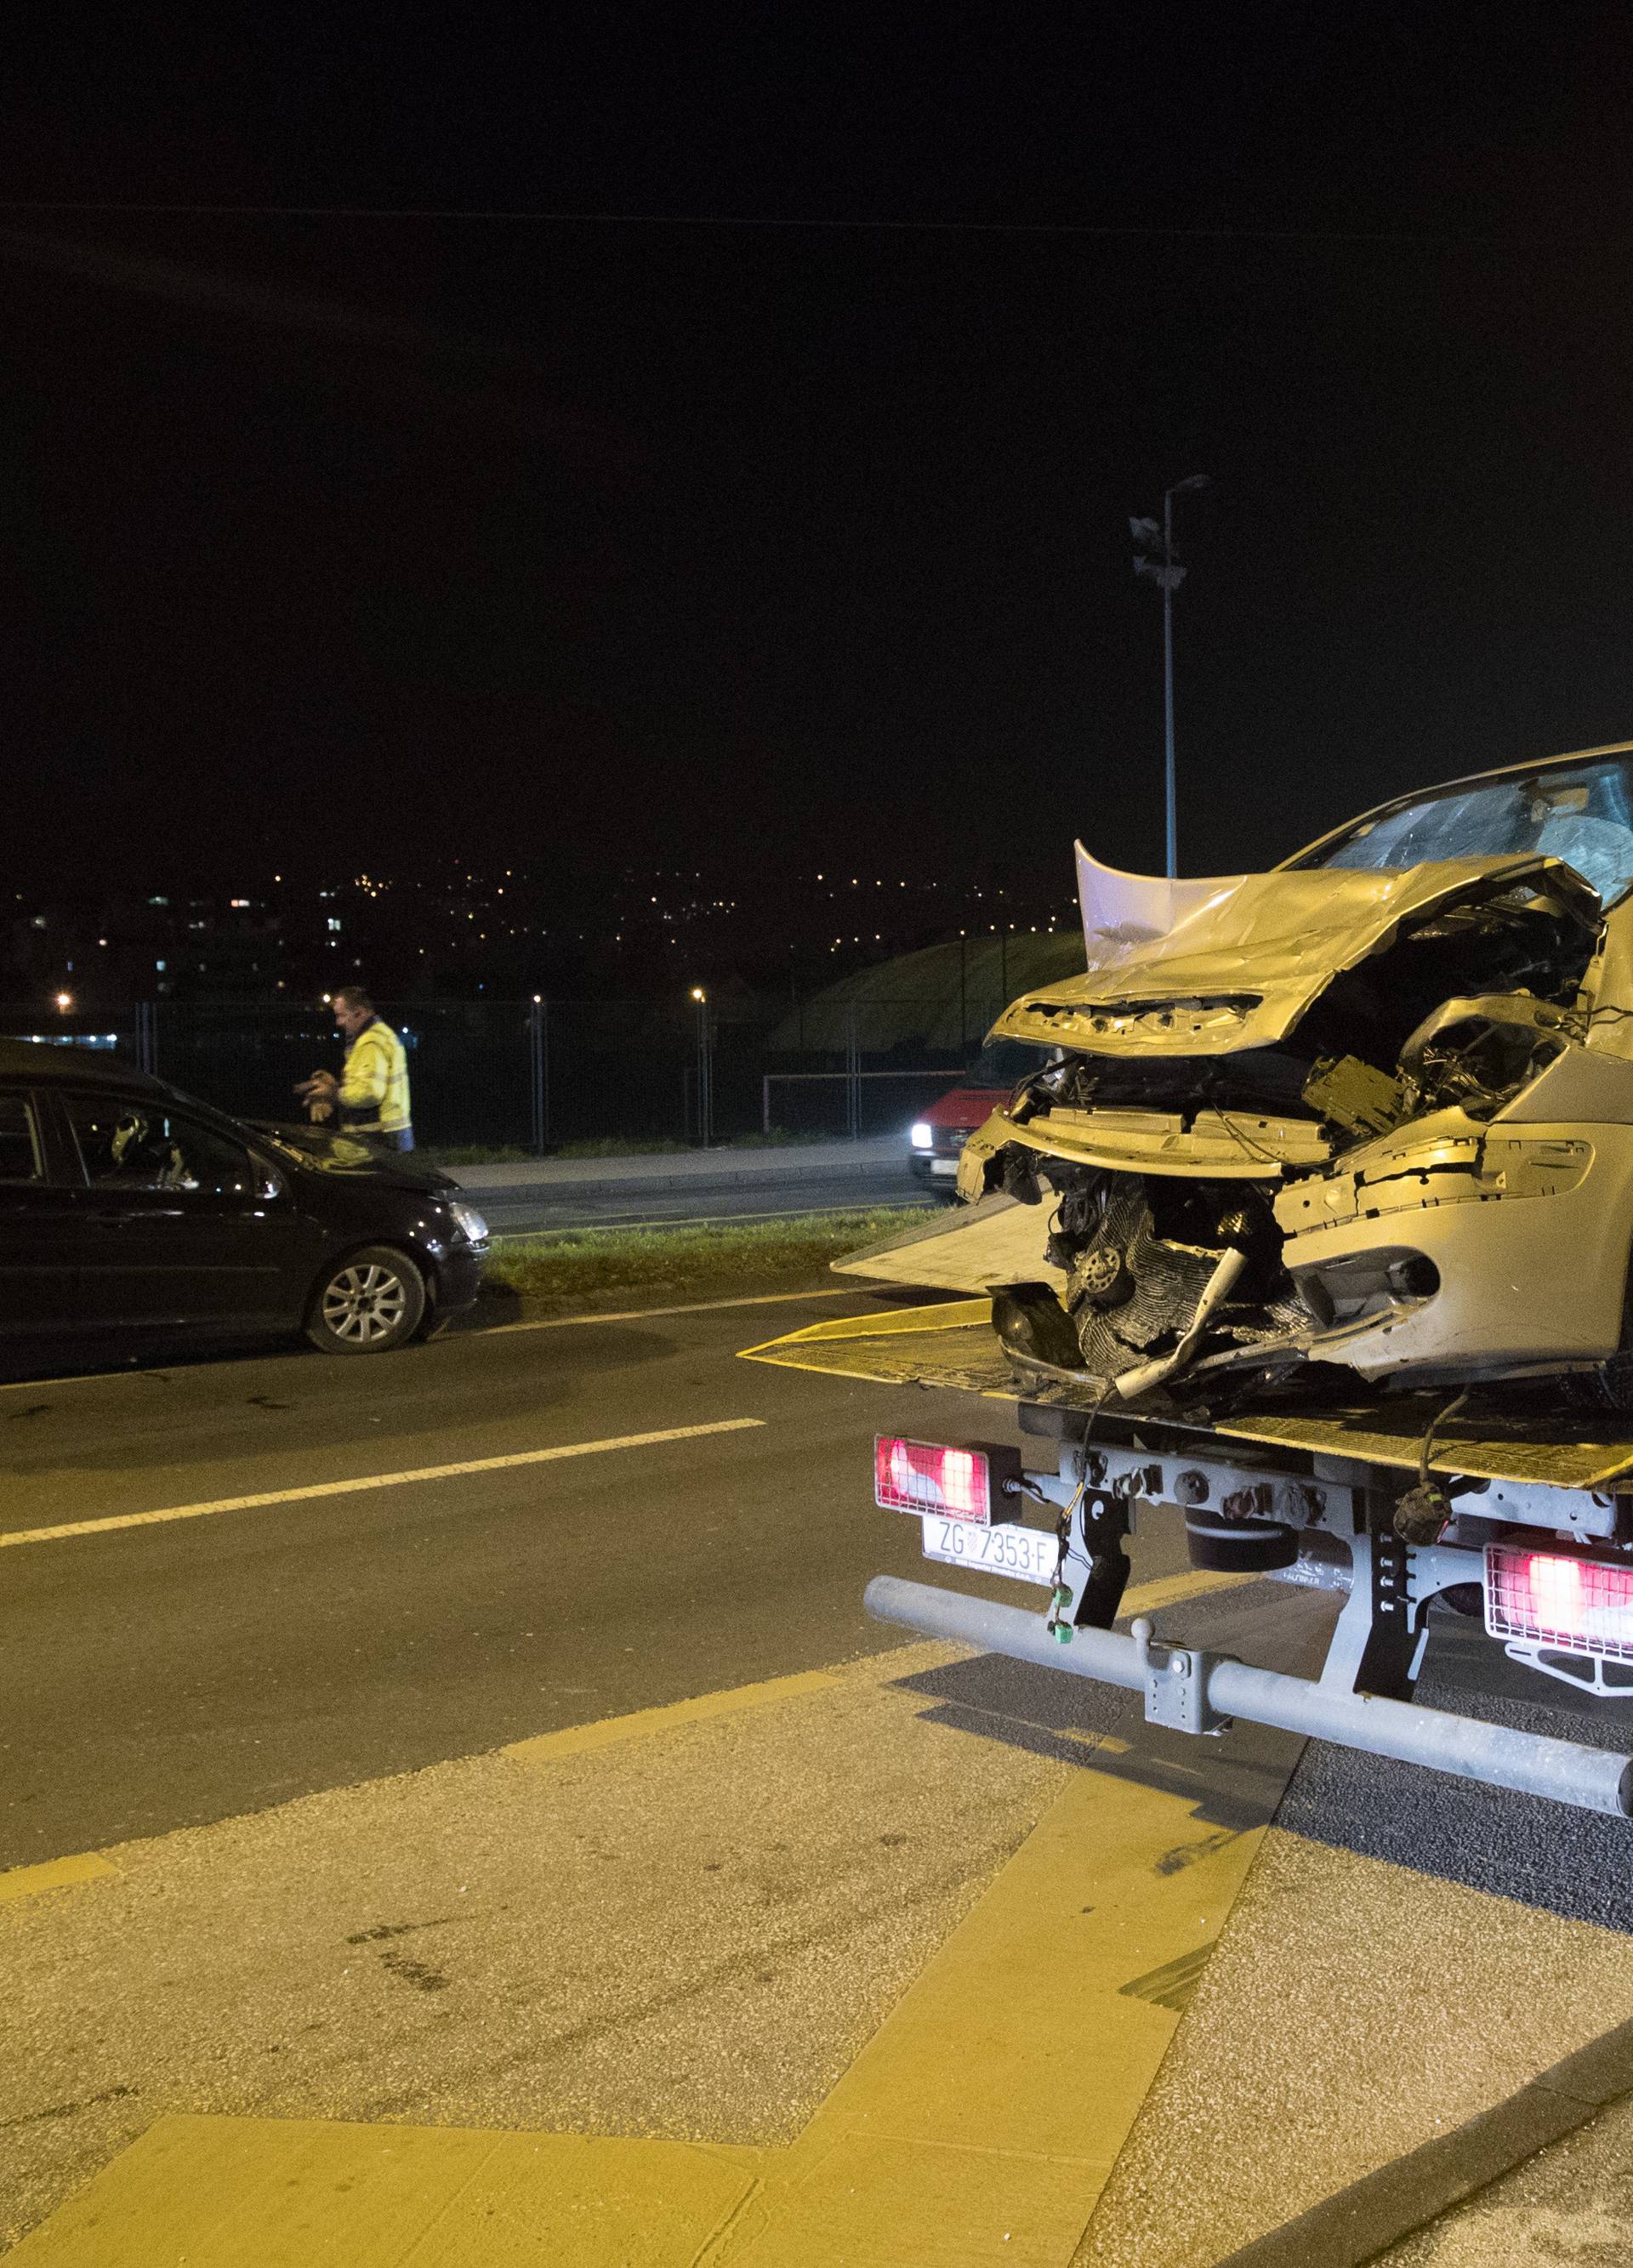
(1383, 2208)
(698, 1170)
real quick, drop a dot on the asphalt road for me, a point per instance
(468, 1546)
(172, 1674)
(163, 1675)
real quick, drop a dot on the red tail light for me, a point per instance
(918, 1477)
(1549, 1599)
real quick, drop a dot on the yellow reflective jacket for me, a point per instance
(374, 1085)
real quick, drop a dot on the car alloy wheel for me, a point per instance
(372, 1302)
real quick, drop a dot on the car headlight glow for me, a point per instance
(921, 1137)
(469, 1223)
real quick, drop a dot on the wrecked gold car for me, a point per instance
(1368, 1114)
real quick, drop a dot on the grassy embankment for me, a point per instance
(573, 1270)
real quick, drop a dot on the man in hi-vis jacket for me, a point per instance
(371, 1093)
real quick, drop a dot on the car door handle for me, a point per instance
(109, 1219)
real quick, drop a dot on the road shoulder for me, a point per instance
(903, 1945)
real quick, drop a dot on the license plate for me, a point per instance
(1029, 1554)
(943, 1165)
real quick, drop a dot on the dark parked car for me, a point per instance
(128, 1209)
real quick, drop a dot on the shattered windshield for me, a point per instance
(1580, 813)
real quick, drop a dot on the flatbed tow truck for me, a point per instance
(1394, 1503)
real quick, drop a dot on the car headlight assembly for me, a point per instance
(469, 1223)
(921, 1136)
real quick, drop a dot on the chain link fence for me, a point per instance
(540, 1075)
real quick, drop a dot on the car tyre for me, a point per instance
(367, 1303)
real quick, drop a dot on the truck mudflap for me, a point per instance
(1310, 1497)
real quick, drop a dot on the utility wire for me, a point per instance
(1105, 229)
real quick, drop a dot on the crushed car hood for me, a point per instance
(1211, 966)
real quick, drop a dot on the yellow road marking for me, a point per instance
(692, 1307)
(879, 1669)
(324, 2193)
(906, 2165)
(574, 1740)
(1170, 1590)
(378, 1481)
(52, 1874)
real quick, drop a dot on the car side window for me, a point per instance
(20, 1140)
(134, 1143)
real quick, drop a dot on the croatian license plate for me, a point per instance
(943, 1165)
(1029, 1554)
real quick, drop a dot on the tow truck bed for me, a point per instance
(952, 1345)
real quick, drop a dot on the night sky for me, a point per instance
(371, 537)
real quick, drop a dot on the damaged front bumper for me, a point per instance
(1470, 1252)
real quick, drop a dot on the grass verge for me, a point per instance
(569, 1270)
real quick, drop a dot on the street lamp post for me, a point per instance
(1162, 570)
(538, 1043)
(706, 1067)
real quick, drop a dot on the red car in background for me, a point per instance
(935, 1139)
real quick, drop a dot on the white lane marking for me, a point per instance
(377, 1481)
(79, 1378)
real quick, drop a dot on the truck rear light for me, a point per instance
(1556, 1599)
(922, 1477)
